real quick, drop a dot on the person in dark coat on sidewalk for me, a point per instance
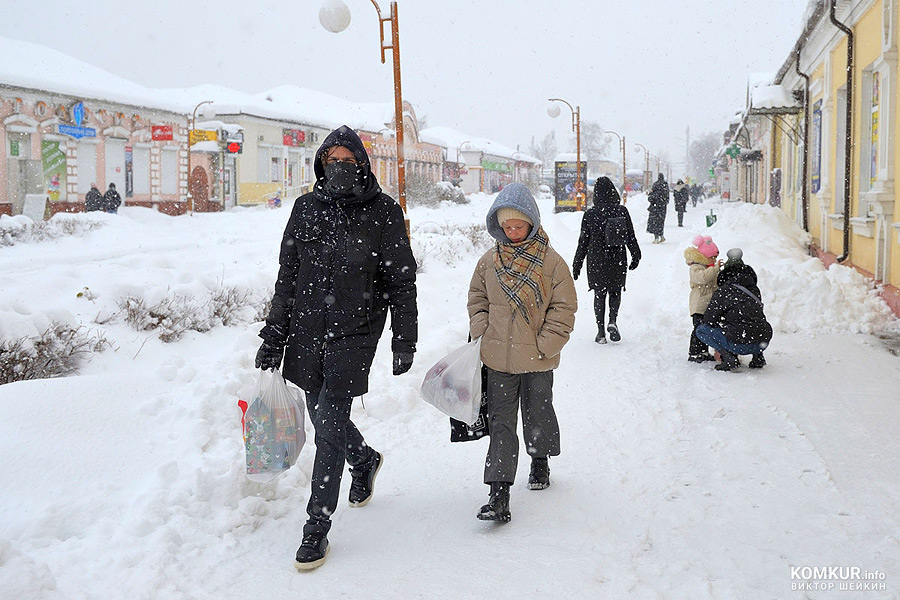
(345, 262)
(606, 230)
(734, 322)
(112, 200)
(659, 200)
(93, 200)
(680, 193)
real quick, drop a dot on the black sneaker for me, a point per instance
(730, 361)
(600, 339)
(312, 551)
(613, 331)
(539, 478)
(758, 361)
(362, 485)
(497, 508)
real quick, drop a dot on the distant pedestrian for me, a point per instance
(606, 230)
(93, 200)
(522, 303)
(111, 200)
(704, 270)
(659, 200)
(696, 193)
(734, 322)
(680, 193)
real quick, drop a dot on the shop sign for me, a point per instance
(495, 166)
(161, 133)
(368, 141)
(293, 137)
(75, 131)
(202, 135)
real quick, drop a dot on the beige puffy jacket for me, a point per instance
(703, 280)
(510, 344)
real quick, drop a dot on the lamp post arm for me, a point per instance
(571, 108)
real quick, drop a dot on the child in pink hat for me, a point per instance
(704, 268)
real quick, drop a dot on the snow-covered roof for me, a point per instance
(451, 139)
(772, 97)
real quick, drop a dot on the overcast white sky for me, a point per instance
(646, 69)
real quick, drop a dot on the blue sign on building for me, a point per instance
(78, 113)
(76, 132)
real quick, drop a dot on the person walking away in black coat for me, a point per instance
(696, 192)
(606, 230)
(659, 200)
(345, 262)
(112, 200)
(93, 200)
(734, 322)
(680, 193)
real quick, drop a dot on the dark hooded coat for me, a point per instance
(345, 261)
(680, 193)
(607, 265)
(734, 311)
(93, 200)
(659, 200)
(111, 199)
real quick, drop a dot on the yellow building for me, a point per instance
(838, 166)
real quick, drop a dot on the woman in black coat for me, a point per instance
(681, 192)
(345, 261)
(112, 200)
(659, 200)
(606, 230)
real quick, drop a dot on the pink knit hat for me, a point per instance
(706, 247)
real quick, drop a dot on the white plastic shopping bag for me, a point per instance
(272, 425)
(453, 384)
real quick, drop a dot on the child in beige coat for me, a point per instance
(704, 268)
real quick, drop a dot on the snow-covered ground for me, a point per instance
(675, 481)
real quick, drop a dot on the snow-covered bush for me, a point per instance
(21, 229)
(449, 243)
(56, 352)
(446, 191)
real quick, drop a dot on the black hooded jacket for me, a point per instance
(606, 264)
(733, 310)
(345, 260)
(658, 196)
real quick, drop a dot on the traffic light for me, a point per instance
(234, 147)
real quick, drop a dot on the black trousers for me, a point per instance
(540, 428)
(337, 440)
(697, 348)
(615, 300)
(681, 218)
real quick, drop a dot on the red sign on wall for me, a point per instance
(293, 137)
(162, 132)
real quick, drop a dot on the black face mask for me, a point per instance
(341, 177)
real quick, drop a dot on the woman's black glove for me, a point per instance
(634, 264)
(269, 356)
(402, 362)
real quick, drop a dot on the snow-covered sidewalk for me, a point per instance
(675, 481)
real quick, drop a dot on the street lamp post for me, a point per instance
(622, 148)
(646, 163)
(190, 192)
(335, 17)
(553, 111)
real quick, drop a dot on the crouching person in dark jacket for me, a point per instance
(734, 322)
(345, 261)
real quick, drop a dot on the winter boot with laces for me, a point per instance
(758, 361)
(362, 484)
(312, 551)
(729, 362)
(497, 508)
(539, 478)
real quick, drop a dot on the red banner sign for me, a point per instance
(162, 132)
(293, 137)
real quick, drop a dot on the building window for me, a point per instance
(168, 168)
(141, 170)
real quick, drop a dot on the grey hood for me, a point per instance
(518, 196)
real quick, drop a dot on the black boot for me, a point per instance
(362, 485)
(613, 330)
(758, 361)
(729, 362)
(497, 508)
(312, 551)
(539, 478)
